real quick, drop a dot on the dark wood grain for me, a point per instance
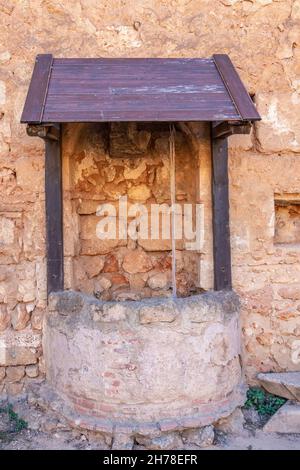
(221, 229)
(236, 88)
(54, 216)
(108, 90)
(36, 96)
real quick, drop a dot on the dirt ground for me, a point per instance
(45, 431)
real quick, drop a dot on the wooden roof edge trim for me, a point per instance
(37, 91)
(235, 87)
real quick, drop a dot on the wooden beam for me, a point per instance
(220, 204)
(54, 214)
(38, 88)
(236, 89)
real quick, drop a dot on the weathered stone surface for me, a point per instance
(122, 442)
(139, 367)
(134, 172)
(17, 355)
(101, 285)
(137, 262)
(290, 292)
(203, 437)
(252, 417)
(232, 424)
(166, 441)
(109, 312)
(164, 311)
(2, 373)
(285, 420)
(159, 281)
(139, 193)
(279, 128)
(91, 244)
(284, 384)
(14, 388)
(37, 319)
(111, 264)
(20, 317)
(32, 371)
(15, 374)
(5, 318)
(122, 295)
(126, 140)
(155, 245)
(19, 347)
(93, 265)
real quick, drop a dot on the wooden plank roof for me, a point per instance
(107, 90)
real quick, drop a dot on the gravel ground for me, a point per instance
(46, 431)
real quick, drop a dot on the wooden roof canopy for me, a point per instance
(109, 90)
(112, 90)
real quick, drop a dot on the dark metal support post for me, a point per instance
(220, 203)
(54, 214)
(51, 134)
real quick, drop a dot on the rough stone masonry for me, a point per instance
(262, 39)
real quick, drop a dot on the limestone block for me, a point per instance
(90, 243)
(157, 245)
(166, 441)
(2, 93)
(121, 295)
(12, 356)
(32, 370)
(102, 284)
(19, 347)
(232, 424)
(14, 388)
(5, 56)
(37, 319)
(93, 265)
(111, 264)
(5, 318)
(283, 384)
(109, 312)
(285, 420)
(29, 172)
(137, 262)
(15, 373)
(122, 442)
(126, 140)
(139, 193)
(165, 311)
(7, 231)
(2, 373)
(296, 10)
(20, 317)
(279, 129)
(159, 281)
(137, 281)
(134, 172)
(202, 437)
(290, 292)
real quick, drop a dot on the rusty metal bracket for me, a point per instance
(44, 131)
(221, 130)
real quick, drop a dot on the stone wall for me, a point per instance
(97, 173)
(262, 38)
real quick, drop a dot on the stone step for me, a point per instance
(283, 384)
(285, 420)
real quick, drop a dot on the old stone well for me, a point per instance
(122, 353)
